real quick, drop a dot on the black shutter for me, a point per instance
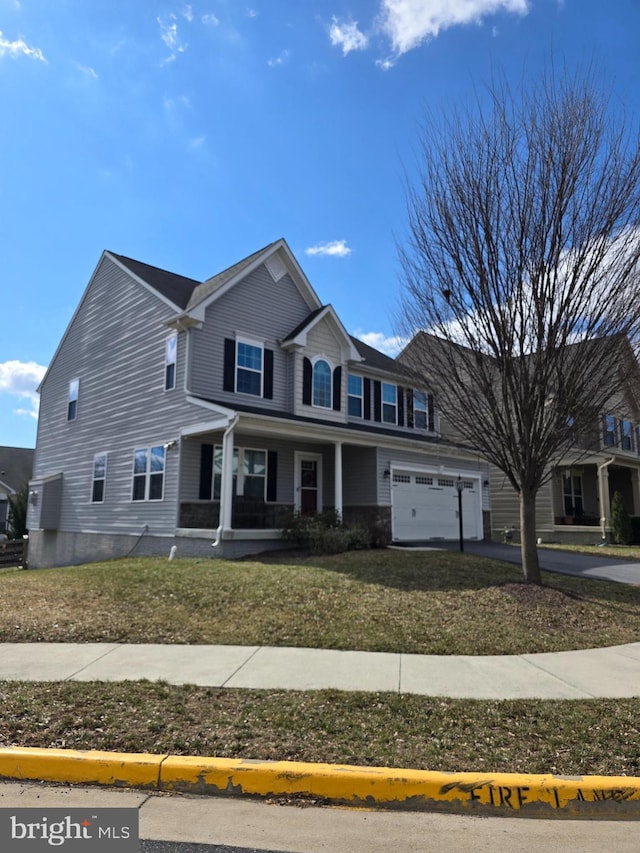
(337, 388)
(400, 392)
(229, 371)
(268, 374)
(272, 475)
(431, 415)
(377, 400)
(206, 472)
(307, 380)
(367, 400)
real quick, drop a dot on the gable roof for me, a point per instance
(16, 467)
(378, 360)
(216, 282)
(176, 288)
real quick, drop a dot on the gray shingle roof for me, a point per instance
(176, 288)
(16, 466)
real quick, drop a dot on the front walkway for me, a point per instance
(610, 672)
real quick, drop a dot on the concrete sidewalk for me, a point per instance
(606, 672)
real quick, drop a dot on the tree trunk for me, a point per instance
(529, 551)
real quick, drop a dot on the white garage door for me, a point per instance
(425, 506)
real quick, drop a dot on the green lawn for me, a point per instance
(435, 602)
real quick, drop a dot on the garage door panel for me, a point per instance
(426, 507)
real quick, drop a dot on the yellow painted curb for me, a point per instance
(91, 767)
(375, 787)
(507, 793)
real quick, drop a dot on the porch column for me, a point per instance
(603, 492)
(226, 481)
(338, 477)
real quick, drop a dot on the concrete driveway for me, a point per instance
(562, 562)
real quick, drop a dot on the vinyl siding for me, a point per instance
(322, 341)
(115, 346)
(257, 308)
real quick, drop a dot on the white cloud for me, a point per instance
(87, 71)
(408, 23)
(170, 36)
(278, 60)
(196, 143)
(19, 47)
(347, 36)
(336, 249)
(210, 20)
(387, 344)
(187, 13)
(20, 379)
(252, 13)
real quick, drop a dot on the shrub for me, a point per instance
(620, 521)
(323, 533)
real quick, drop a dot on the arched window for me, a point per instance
(322, 387)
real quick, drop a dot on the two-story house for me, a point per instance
(574, 505)
(195, 414)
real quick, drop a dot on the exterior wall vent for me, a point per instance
(276, 267)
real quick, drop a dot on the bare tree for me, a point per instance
(521, 269)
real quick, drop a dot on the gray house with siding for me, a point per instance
(198, 413)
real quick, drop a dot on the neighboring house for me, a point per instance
(16, 465)
(197, 414)
(575, 504)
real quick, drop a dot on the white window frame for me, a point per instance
(359, 397)
(384, 403)
(321, 359)
(170, 360)
(102, 479)
(148, 473)
(420, 394)
(72, 400)
(238, 470)
(238, 367)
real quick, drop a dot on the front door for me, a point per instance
(308, 483)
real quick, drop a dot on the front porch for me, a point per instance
(582, 494)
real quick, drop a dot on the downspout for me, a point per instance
(227, 433)
(603, 518)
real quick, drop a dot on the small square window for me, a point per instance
(355, 396)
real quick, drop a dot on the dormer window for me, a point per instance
(322, 385)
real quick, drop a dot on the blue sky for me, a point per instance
(188, 135)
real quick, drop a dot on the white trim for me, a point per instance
(298, 457)
(348, 348)
(300, 279)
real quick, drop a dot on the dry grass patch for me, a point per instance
(566, 737)
(435, 602)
